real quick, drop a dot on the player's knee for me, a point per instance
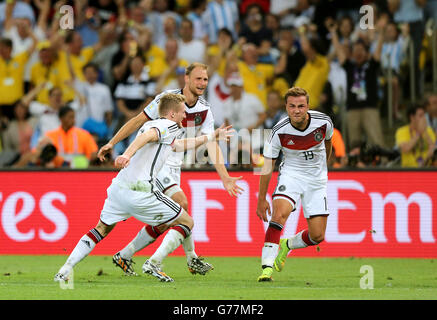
(318, 237)
(185, 219)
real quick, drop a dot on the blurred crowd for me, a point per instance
(72, 72)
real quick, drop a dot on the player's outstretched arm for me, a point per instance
(216, 156)
(222, 133)
(140, 141)
(125, 131)
(263, 206)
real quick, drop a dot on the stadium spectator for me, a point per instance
(411, 12)
(103, 58)
(173, 70)
(218, 91)
(257, 77)
(47, 114)
(339, 157)
(22, 31)
(362, 90)
(164, 22)
(431, 111)
(195, 15)
(253, 30)
(291, 59)
(190, 49)
(12, 68)
(314, 73)
(132, 93)
(416, 140)
(154, 55)
(220, 53)
(18, 135)
(275, 109)
(127, 49)
(220, 14)
(272, 23)
(393, 54)
(95, 113)
(242, 110)
(44, 155)
(45, 70)
(77, 146)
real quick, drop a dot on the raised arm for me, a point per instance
(222, 133)
(125, 131)
(339, 50)
(140, 141)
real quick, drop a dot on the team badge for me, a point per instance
(197, 119)
(281, 188)
(318, 136)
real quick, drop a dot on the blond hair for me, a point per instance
(169, 102)
(297, 92)
(194, 65)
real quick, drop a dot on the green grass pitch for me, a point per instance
(31, 277)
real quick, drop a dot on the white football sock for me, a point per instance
(269, 253)
(142, 240)
(297, 242)
(188, 245)
(82, 249)
(171, 241)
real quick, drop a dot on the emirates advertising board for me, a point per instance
(372, 214)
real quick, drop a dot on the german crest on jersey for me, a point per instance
(318, 136)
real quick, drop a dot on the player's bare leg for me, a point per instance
(309, 237)
(83, 248)
(281, 210)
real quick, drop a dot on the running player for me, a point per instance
(304, 137)
(133, 192)
(199, 117)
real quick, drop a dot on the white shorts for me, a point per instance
(168, 180)
(151, 207)
(312, 195)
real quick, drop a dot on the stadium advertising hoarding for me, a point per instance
(372, 214)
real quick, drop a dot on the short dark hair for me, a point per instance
(64, 110)
(6, 42)
(53, 89)
(91, 65)
(412, 110)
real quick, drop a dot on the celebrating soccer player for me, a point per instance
(304, 137)
(133, 192)
(200, 117)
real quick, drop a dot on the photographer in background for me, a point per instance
(416, 140)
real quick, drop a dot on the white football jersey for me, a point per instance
(148, 160)
(304, 154)
(199, 120)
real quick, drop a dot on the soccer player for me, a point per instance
(304, 137)
(200, 118)
(133, 192)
